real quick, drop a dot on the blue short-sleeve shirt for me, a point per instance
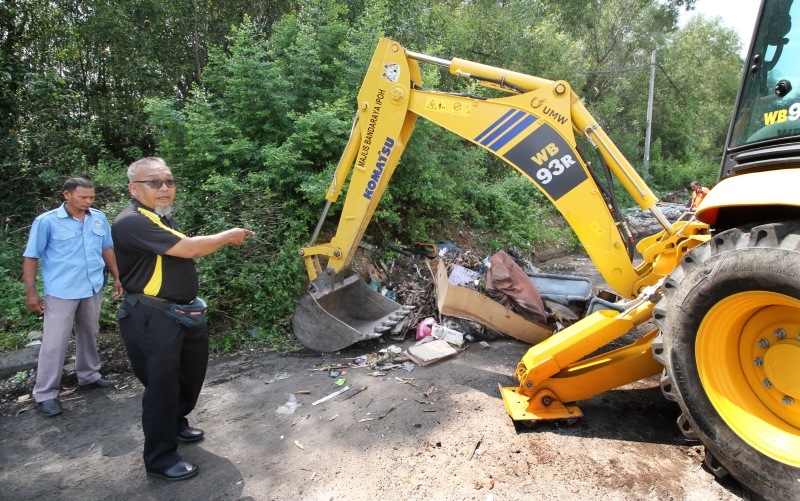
(71, 251)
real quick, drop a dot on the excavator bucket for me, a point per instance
(337, 313)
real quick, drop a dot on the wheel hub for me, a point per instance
(781, 363)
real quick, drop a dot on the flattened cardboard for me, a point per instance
(461, 302)
(431, 352)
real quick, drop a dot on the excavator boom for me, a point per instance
(533, 130)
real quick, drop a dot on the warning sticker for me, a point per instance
(448, 106)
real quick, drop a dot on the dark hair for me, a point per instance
(75, 182)
(694, 183)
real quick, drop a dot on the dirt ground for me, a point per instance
(443, 435)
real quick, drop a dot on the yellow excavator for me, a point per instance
(722, 286)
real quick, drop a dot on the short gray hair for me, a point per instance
(144, 161)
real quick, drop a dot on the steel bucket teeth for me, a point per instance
(331, 319)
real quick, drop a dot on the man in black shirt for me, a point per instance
(168, 353)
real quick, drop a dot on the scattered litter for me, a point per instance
(298, 444)
(327, 367)
(407, 380)
(409, 366)
(477, 446)
(298, 420)
(123, 387)
(366, 419)
(424, 340)
(278, 377)
(303, 392)
(431, 352)
(376, 374)
(394, 350)
(36, 342)
(335, 374)
(313, 475)
(484, 344)
(360, 361)
(340, 382)
(24, 409)
(428, 410)
(461, 276)
(422, 401)
(354, 394)
(24, 398)
(90, 448)
(424, 328)
(290, 406)
(334, 417)
(391, 408)
(429, 391)
(452, 336)
(331, 395)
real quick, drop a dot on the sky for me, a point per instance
(737, 14)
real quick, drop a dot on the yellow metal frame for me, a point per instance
(534, 131)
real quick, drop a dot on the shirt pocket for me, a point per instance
(64, 242)
(98, 235)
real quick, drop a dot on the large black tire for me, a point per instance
(750, 262)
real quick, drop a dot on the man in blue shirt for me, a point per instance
(74, 244)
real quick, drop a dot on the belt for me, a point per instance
(155, 302)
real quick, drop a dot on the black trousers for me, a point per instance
(170, 360)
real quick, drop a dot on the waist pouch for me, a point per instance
(190, 315)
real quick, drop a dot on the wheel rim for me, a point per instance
(745, 339)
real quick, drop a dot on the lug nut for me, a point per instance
(763, 343)
(787, 400)
(767, 383)
(758, 362)
(546, 400)
(780, 333)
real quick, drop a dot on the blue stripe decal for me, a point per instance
(508, 114)
(500, 130)
(513, 133)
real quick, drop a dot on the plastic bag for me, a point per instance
(424, 327)
(290, 406)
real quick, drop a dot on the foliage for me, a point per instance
(252, 103)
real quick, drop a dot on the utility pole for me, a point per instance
(645, 172)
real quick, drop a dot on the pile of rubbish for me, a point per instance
(460, 297)
(644, 224)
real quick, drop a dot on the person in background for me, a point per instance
(698, 194)
(74, 244)
(162, 321)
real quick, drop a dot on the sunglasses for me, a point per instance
(156, 184)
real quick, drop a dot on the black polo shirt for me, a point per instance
(141, 240)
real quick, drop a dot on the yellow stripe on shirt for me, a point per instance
(153, 286)
(154, 217)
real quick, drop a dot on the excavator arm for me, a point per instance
(534, 130)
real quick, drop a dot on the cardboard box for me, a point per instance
(461, 302)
